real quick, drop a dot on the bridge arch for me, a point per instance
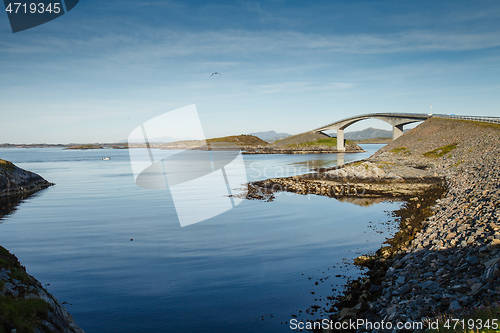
(397, 120)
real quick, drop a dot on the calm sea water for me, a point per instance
(247, 270)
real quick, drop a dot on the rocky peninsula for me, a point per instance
(25, 305)
(17, 181)
(445, 258)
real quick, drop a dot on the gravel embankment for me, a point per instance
(453, 262)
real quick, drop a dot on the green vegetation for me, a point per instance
(22, 314)
(366, 165)
(469, 320)
(240, 140)
(21, 275)
(329, 142)
(440, 151)
(7, 260)
(11, 263)
(19, 313)
(399, 150)
(6, 165)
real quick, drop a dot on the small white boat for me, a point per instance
(106, 158)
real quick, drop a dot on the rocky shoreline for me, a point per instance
(15, 181)
(361, 179)
(446, 256)
(25, 306)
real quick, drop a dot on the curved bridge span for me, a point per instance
(397, 120)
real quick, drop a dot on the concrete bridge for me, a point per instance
(397, 120)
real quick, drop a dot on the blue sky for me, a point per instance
(96, 73)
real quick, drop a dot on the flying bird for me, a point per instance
(215, 73)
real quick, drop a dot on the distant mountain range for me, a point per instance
(270, 136)
(368, 133)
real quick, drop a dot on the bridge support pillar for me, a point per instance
(340, 140)
(397, 131)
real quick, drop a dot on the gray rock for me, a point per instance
(491, 262)
(404, 289)
(9, 289)
(489, 273)
(473, 260)
(454, 306)
(429, 285)
(475, 287)
(465, 301)
(392, 310)
(4, 274)
(460, 288)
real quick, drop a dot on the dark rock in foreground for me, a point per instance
(17, 181)
(25, 306)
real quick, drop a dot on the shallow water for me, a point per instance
(247, 270)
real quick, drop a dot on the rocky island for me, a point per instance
(25, 306)
(444, 260)
(305, 143)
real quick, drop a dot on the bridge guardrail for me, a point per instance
(473, 118)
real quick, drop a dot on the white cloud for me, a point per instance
(168, 44)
